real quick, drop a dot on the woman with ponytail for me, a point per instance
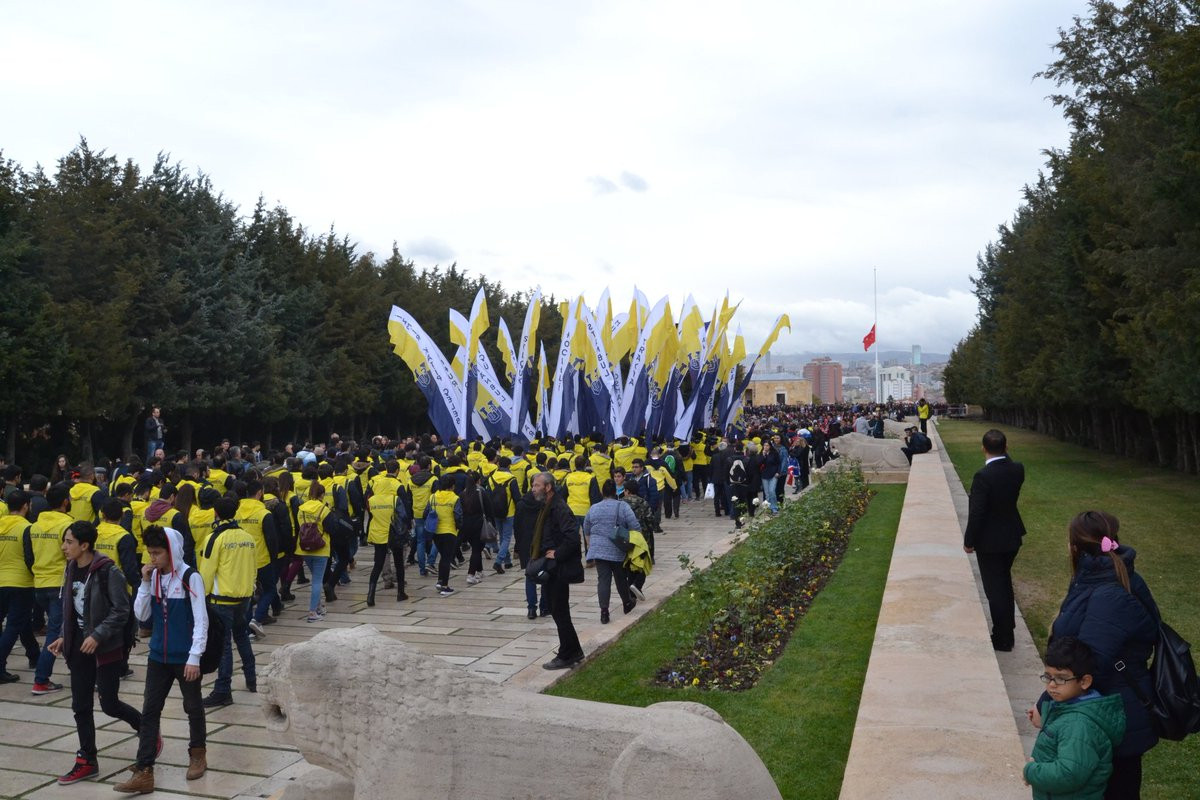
(1110, 609)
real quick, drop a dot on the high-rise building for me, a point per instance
(916, 355)
(825, 374)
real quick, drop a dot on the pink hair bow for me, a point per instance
(1107, 545)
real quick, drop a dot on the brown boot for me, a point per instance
(197, 762)
(142, 782)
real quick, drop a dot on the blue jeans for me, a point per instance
(424, 540)
(686, 488)
(769, 491)
(234, 617)
(18, 603)
(531, 597)
(151, 446)
(47, 599)
(316, 568)
(506, 534)
(268, 579)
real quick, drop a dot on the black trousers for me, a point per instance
(560, 611)
(995, 571)
(671, 502)
(607, 573)
(159, 677)
(475, 539)
(341, 549)
(447, 545)
(381, 554)
(1125, 783)
(87, 680)
(699, 480)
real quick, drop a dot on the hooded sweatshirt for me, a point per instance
(179, 619)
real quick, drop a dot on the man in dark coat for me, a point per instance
(556, 536)
(994, 531)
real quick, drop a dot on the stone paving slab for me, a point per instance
(481, 627)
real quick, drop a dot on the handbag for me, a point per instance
(431, 520)
(620, 537)
(540, 570)
(710, 492)
(488, 532)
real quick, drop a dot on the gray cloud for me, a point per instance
(634, 182)
(429, 248)
(602, 185)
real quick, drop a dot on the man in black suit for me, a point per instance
(994, 531)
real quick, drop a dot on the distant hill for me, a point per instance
(903, 356)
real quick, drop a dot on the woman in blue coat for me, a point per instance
(1110, 609)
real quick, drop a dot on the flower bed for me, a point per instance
(755, 594)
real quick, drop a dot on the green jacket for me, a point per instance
(1072, 757)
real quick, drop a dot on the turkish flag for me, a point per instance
(869, 339)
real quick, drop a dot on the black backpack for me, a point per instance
(339, 526)
(498, 498)
(214, 645)
(1174, 701)
(737, 471)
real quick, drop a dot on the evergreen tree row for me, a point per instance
(122, 289)
(1089, 300)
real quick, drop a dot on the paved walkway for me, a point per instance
(483, 628)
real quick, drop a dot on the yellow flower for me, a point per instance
(695, 681)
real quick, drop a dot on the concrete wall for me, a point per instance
(934, 720)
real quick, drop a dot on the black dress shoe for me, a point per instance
(562, 663)
(215, 700)
(8, 677)
(604, 616)
(545, 612)
(532, 614)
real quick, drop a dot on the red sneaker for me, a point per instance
(83, 770)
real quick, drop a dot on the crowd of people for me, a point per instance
(94, 559)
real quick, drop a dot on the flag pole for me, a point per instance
(875, 327)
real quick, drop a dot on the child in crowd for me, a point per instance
(1072, 757)
(171, 598)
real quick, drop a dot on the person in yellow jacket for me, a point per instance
(924, 412)
(313, 511)
(583, 491)
(201, 518)
(389, 508)
(518, 466)
(43, 555)
(257, 520)
(446, 505)
(601, 464)
(624, 452)
(86, 496)
(701, 461)
(16, 583)
(423, 484)
(137, 507)
(229, 572)
(503, 482)
(118, 544)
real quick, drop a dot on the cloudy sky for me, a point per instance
(777, 150)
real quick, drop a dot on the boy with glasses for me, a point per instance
(1079, 727)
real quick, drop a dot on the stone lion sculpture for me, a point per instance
(401, 724)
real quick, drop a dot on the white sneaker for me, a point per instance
(636, 592)
(257, 629)
(473, 579)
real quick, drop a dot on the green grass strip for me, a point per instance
(1159, 512)
(800, 716)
